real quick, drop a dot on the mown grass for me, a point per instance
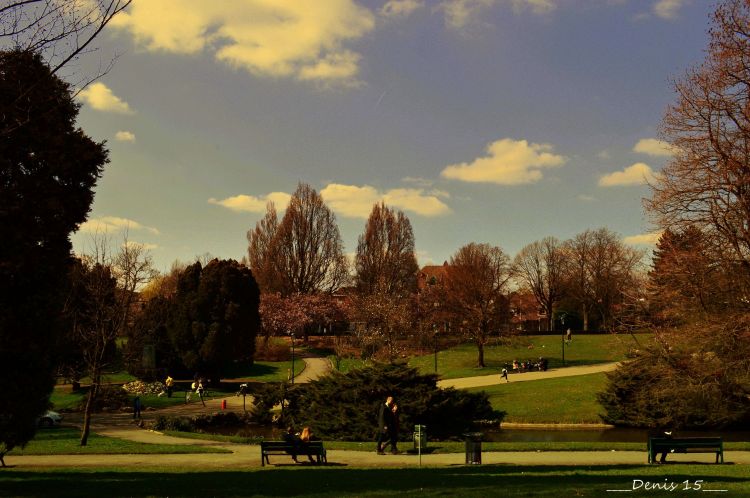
(264, 371)
(459, 481)
(461, 361)
(564, 400)
(65, 441)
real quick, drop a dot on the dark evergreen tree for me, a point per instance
(214, 316)
(48, 169)
(345, 406)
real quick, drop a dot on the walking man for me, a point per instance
(385, 423)
(504, 375)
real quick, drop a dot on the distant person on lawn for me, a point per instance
(504, 375)
(169, 383)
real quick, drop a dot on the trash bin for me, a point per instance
(420, 437)
(473, 448)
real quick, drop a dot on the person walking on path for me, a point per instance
(137, 407)
(393, 429)
(504, 375)
(385, 422)
(199, 391)
(169, 383)
(568, 336)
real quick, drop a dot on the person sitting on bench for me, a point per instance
(294, 440)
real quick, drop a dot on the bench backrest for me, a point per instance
(282, 445)
(686, 441)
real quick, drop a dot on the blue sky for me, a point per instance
(499, 121)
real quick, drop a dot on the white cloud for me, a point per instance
(461, 13)
(604, 155)
(636, 174)
(400, 8)
(668, 9)
(109, 224)
(101, 98)
(250, 203)
(353, 201)
(644, 239)
(274, 38)
(508, 162)
(143, 245)
(536, 6)
(416, 180)
(124, 136)
(586, 198)
(653, 147)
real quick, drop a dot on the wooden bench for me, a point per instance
(313, 448)
(658, 445)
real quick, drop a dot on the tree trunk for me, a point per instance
(93, 391)
(585, 318)
(480, 357)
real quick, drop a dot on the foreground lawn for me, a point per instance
(566, 400)
(584, 350)
(65, 441)
(470, 481)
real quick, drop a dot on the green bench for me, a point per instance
(313, 448)
(657, 445)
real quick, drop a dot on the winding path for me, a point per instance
(495, 379)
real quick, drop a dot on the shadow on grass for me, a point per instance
(256, 370)
(491, 480)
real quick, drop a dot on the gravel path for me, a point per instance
(495, 379)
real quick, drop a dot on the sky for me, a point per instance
(497, 121)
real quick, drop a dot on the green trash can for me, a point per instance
(420, 437)
(473, 448)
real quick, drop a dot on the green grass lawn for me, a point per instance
(469, 481)
(584, 350)
(565, 400)
(264, 371)
(63, 399)
(66, 441)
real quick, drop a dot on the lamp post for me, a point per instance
(562, 323)
(292, 336)
(435, 343)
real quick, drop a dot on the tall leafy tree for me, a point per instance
(48, 169)
(706, 182)
(385, 259)
(474, 292)
(259, 243)
(599, 270)
(306, 253)
(540, 268)
(214, 319)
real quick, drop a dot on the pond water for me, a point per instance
(619, 435)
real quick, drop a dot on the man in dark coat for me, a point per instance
(385, 423)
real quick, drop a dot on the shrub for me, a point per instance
(110, 398)
(345, 406)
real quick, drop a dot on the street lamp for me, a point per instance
(435, 343)
(562, 323)
(292, 336)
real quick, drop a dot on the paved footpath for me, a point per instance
(495, 379)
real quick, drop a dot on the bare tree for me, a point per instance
(599, 268)
(259, 243)
(104, 291)
(60, 30)
(474, 293)
(306, 253)
(385, 257)
(539, 267)
(706, 184)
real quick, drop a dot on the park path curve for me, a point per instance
(495, 379)
(315, 368)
